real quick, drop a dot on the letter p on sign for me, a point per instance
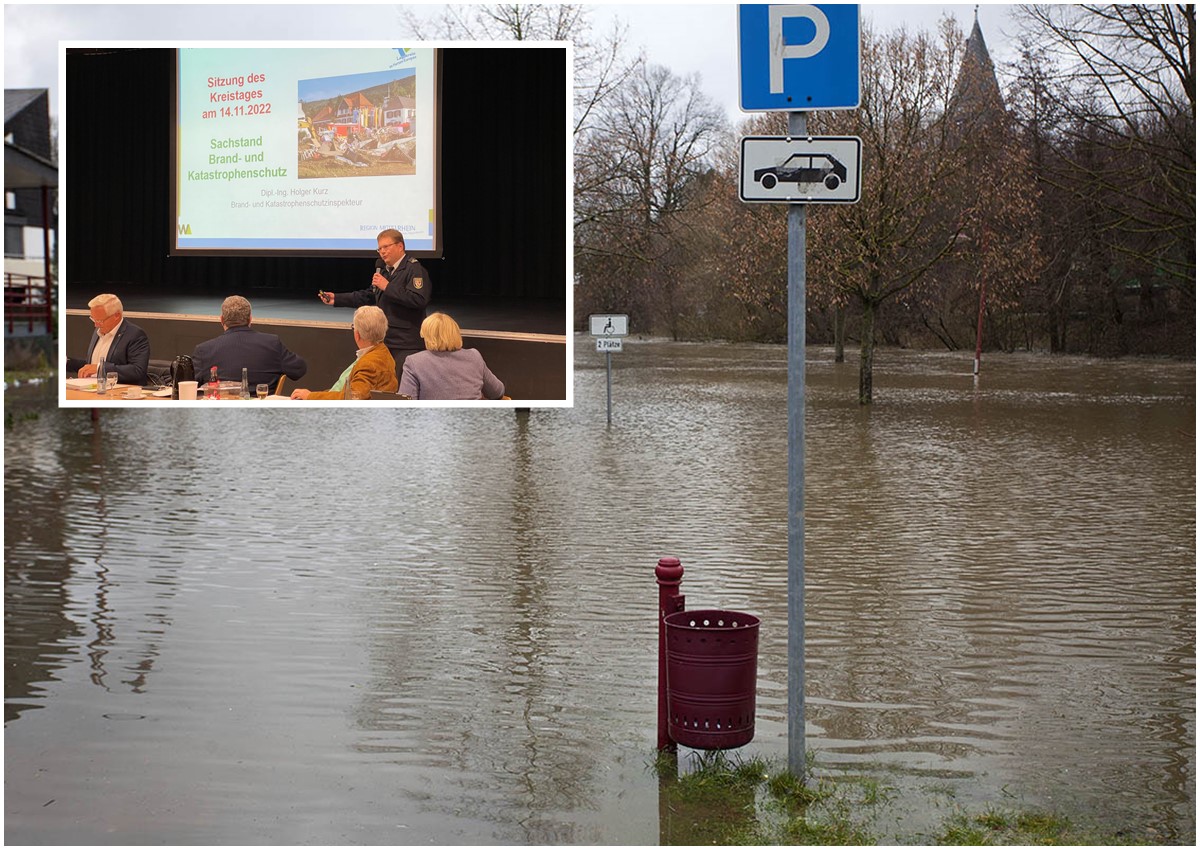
(793, 57)
(780, 50)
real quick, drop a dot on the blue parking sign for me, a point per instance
(795, 57)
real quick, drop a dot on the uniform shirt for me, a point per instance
(403, 302)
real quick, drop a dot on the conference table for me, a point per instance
(229, 391)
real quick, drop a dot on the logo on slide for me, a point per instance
(185, 230)
(404, 54)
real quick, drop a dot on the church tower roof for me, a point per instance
(976, 46)
(976, 91)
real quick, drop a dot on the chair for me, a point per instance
(158, 373)
(279, 386)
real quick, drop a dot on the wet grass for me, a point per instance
(720, 799)
(998, 827)
(24, 411)
(37, 371)
(10, 419)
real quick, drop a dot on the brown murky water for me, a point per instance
(439, 626)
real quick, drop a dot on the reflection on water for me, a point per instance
(390, 626)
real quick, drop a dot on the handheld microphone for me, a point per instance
(379, 266)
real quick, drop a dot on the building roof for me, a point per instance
(358, 100)
(977, 48)
(25, 170)
(28, 159)
(16, 100)
(976, 91)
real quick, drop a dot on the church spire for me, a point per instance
(976, 91)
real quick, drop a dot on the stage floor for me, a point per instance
(517, 315)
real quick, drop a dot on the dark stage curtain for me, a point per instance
(504, 149)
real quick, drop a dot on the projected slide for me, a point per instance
(293, 149)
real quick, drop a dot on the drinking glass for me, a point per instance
(110, 381)
(261, 390)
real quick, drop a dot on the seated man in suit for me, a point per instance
(122, 345)
(262, 355)
(374, 367)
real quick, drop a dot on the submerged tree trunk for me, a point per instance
(1057, 324)
(839, 334)
(867, 349)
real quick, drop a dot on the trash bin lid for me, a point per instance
(711, 619)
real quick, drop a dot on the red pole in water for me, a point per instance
(669, 573)
(982, 301)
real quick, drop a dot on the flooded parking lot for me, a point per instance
(438, 626)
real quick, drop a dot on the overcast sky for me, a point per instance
(685, 37)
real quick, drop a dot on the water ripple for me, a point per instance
(439, 625)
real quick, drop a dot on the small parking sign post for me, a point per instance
(609, 330)
(795, 58)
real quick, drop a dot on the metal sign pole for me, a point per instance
(610, 330)
(797, 271)
(608, 369)
(819, 66)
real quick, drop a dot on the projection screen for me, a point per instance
(297, 149)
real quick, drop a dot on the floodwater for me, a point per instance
(438, 626)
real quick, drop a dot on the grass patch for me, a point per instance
(20, 407)
(715, 798)
(1003, 827)
(838, 832)
(718, 799)
(12, 376)
(793, 791)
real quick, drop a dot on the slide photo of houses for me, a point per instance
(359, 125)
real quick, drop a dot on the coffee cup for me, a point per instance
(187, 390)
(133, 392)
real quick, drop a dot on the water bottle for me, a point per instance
(245, 383)
(101, 380)
(214, 383)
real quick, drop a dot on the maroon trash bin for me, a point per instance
(712, 669)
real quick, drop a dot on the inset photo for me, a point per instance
(319, 223)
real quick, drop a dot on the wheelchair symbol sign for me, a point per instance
(799, 57)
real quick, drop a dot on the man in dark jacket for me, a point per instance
(263, 355)
(401, 289)
(122, 345)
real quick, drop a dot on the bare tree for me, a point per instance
(1124, 78)
(1059, 218)
(660, 131)
(907, 221)
(603, 67)
(498, 22)
(747, 255)
(601, 64)
(648, 157)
